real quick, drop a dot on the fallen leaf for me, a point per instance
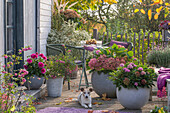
(94, 103)
(59, 103)
(105, 111)
(90, 111)
(70, 98)
(67, 101)
(136, 10)
(150, 14)
(142, 11)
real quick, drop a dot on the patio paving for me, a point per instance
(69, 99)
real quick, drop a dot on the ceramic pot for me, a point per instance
(133, 98)
(101, 85)
(34, 82)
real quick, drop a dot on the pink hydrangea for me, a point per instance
(43, 70)
(29, 60)
(140, 69)
(122, 65)
(143, 73)
(130, 66)
(40, 64)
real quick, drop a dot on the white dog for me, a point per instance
(84, 98)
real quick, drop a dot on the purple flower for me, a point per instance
(122, 65)
(25, 66)
(130, 66)
(43, 70)
(135, 59)
(29, 60)
(40, 65)
(136, 84)
(126, 69)
(140, 69)
(135, 65)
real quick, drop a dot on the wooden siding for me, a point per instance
(45, 23)
(30, 25)
(1, 29)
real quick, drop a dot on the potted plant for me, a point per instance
(37, 71)
(55, 72)
(133, 84)
(160, 57)
(107, 60)
(165, 26)
(58, 67)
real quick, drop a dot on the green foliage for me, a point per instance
(60, 65)
(138, 46)
(132, 75)
(160, 110)
(10, 95)
(159, 56)
(67, 35)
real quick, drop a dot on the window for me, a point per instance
(10, 26)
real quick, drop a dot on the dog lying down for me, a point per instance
(84, 98)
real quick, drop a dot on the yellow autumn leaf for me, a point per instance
(156, 16)
(158, 2)
(150, 14)
(140, 1)
(142, 11)
(58, 103)
(13, 108)
(136, 10)
(159, 9)
(167, 4)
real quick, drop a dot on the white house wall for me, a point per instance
(45, 23)
(30, 25)
(1, 29)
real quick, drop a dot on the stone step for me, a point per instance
(35, 93)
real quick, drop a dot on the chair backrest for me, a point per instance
(54, 49)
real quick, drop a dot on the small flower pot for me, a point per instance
(133, 98)
(55, 86)
(34, 82)
(101, 85)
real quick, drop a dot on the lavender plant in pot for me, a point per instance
(133, 84)
(37, 71)
(107, 60)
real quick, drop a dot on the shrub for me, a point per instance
(159, 56)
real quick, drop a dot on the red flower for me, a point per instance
(29, 60)
(25, 66)
(43, 70)
(143, 81)
(40, 65)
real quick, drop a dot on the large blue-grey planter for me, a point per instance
(101, 85)
(133, 98)
(34, 83)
